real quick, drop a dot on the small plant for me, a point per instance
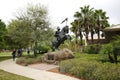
(65, 67)
(93, 49)
(108, 49)
(20, 60)
(28, 60)
(39, 58)
(112, 50)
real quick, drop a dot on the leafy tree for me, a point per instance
(3, 32)
(31, 27)
(37, 17)
(19, 34)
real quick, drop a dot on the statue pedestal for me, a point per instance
(52, 57)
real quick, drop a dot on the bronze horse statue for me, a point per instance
(61, 37)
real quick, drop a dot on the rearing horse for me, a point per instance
(63, 35)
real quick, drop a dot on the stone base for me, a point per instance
(55, 57)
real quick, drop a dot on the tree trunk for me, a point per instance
(92, 37)
(76, 42)
(111, 58)
(98, 33)
(115, 58)
(86, 40)
(80, 34)
(35, 50)
(87, 37)
(115, 55)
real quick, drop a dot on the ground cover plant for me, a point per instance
(29, 59)
(90, 67)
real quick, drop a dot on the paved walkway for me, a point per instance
(35, 74)
(43, 66)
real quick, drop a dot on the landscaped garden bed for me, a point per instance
(90, 67)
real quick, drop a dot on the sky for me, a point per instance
(61, 9)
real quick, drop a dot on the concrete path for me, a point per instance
(35, 74)
(43, 66)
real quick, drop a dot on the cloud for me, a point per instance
(60, 9)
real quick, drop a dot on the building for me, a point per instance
(111, 32)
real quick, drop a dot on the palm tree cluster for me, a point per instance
(89, 21)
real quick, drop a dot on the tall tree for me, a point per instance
(19, 33)
(90, 21)
(3, 32)
(86, 12)
(84, 17)
(101, 21)
(74, 29)
(34, 20)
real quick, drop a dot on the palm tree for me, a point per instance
(77, 29)
(101, 21)
(91, 21)
(84, 18)
(91, 24)
(86, 12)
(80, 31)
(104, 24)
(79, 22)
(74, 29)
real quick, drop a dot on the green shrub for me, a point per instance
(43, 48)
(107, 71)
(20, 60)
(91, 70)
(28, 60)
(39, 58)
(107, 49)
(65, 67)
(93, 49)
(112, 49)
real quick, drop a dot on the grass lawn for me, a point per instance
(87, 57)
(9, 76)
(6, 75)
(92, 57)
(5, 56)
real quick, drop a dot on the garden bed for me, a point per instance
(56, 70)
